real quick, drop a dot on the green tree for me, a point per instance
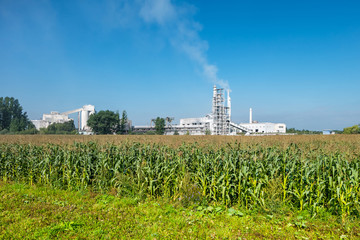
(123, 123)
(207, 132)
(160, 126)
(176, 132)
(104, 122)
(12, 117)
(352, 130)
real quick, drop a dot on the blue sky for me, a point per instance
(296, 62)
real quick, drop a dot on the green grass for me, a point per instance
(35, 212)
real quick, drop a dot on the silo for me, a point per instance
(87, 110)
(84, 119)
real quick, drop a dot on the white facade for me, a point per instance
(40, 124)
(265, 127)
(47, 119)
(56, 117)
(192, 126)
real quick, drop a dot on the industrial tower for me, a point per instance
(220, 112)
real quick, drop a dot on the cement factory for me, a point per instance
(56, 117)
(218, 122)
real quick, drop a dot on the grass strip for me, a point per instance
(38, 212)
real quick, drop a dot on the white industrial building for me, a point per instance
(218, 122)
(56, 117)
(265, 127)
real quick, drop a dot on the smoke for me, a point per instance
(158, 11)
(183, 32)
(177, 24)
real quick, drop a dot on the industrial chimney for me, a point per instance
(214, 100)
(250, 118)
(229, 104)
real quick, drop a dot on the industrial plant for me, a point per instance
(218, 122)
(56, 117)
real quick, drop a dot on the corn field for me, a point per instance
(249, 176)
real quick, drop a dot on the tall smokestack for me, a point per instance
(229, 103)
(214, 100)
(250, 118)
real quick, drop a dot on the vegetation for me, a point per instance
(222, 187)
(293, 130)
(349, 145)
(352, 130)
(104, 122)
(109, 122)
(124, 123)
(13, 119)
(247, 177)
(160, 125)
(60, 128)
(34, 212)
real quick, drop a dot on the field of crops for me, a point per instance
(315, 173)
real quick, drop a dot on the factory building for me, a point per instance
(265, 127)
(56, 117)
(193, 126)
(219, 121)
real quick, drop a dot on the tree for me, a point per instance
(207, 132)
(176, 132)
(104, 122)
(352, 130)
(160, 126)
(123, 123)
(12, 117)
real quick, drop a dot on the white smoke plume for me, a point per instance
(177, 22)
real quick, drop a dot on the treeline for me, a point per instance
(300, 132)
(352, 130)
(349, 130)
